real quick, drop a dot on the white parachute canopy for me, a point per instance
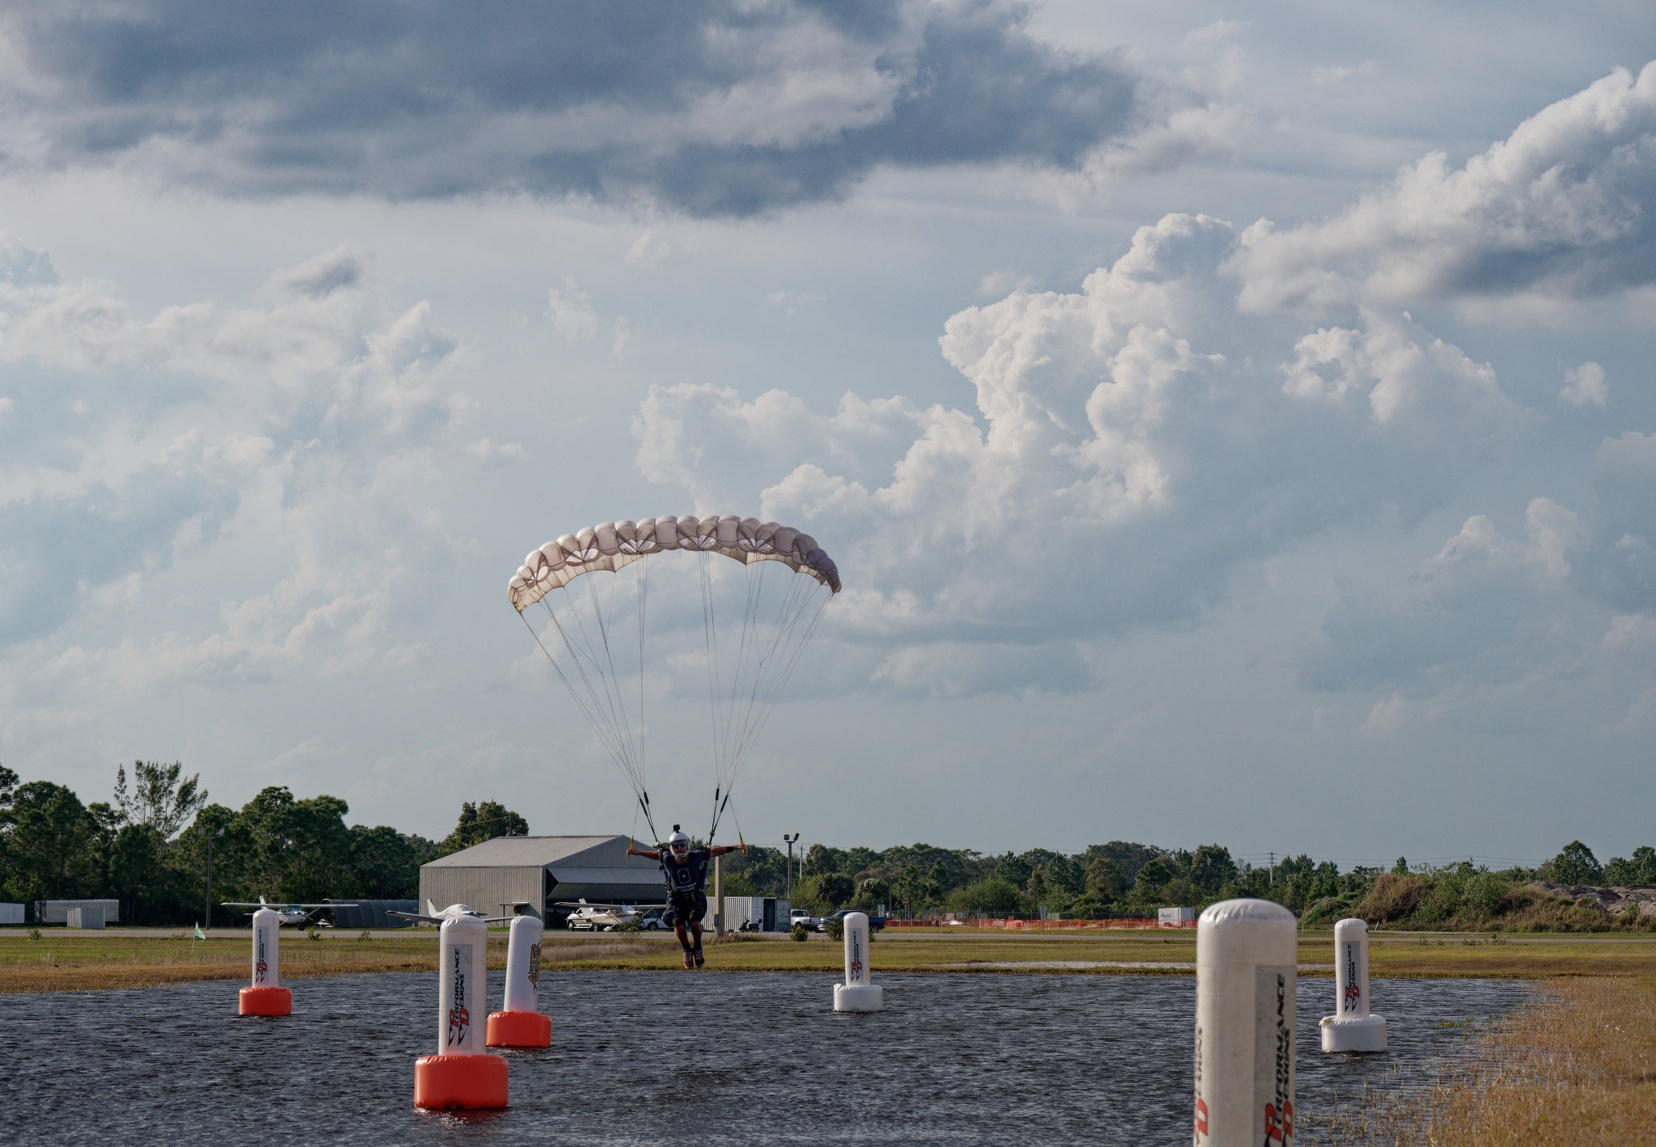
(754, 625)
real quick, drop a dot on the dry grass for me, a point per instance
(1578, 1067)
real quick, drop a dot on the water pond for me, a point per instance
(691, 1058)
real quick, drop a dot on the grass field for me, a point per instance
(129, 958)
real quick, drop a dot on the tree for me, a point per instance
(1639, 870)
(480, 822)
(159, 799)
(52, 843)
(1211, 868)
(1575, 865)
(827, 890)
(991, 896)
(1152, 878)
(1104, 882)
(387, 862)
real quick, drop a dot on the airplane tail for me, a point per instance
(431, 909)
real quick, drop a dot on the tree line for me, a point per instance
(148, 846)
(1127, 879)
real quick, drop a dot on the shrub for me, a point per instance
(1392, 898)
(800, 932)
(834, 928)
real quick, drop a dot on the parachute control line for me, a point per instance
(461, 1076)
(520, 1023)
(264, 996)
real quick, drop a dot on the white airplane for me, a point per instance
(298, 915)
(609, 917)
(453, 912)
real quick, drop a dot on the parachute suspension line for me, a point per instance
(710, 633)
(791, 650)
(613, 731)
(582, 704)
(643, 741)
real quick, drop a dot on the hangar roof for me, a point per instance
(608, 852)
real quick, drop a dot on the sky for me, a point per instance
(1231, 423)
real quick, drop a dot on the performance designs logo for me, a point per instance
(261, 966)
(534, 964)
(1352, 992)
(459, 1017)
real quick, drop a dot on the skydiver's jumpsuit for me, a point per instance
(687, 900)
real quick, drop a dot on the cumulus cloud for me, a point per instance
(1622, 559)
(1486, 607)
(1128, 445)
(729, 108)
(1584, 386)
(129, 440)
(1565, 207)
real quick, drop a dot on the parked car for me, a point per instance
(875, 923)
(801, 916)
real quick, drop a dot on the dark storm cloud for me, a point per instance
(715, 109)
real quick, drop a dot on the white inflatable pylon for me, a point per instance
(858, 993)
(1246, 956)
(520, 1023)
(462, 1075)
(1352, 1027)
(265, 996)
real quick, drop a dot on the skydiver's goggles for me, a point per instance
(681, 848)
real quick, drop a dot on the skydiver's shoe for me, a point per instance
(700, 959)
(689, 960)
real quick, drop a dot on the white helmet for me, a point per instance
(678, 843)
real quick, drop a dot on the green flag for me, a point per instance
(200, 935)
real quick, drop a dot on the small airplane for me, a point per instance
(298, 915)
(453, 912)
(609, 917)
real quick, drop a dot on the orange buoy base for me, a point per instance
(266, 1002)
(459, 1082)
(519, 1029)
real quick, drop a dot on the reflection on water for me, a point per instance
(650, 1058)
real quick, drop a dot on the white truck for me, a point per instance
(801, 916)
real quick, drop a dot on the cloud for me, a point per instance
(270, 433)
(1128, 446)
(1564, 208)
(1621, 563)
(1584, 386)
(1486, 608)
(723, 109)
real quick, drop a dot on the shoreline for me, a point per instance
(61, 960)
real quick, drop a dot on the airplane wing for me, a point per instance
(612, 907)
(416, 916)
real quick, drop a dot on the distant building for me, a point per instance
(1175, 917)
(11, 913)
(57, 911)
(514, 874)
(373, 914)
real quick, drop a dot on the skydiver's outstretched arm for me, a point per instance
(646, 853)
(721, 849)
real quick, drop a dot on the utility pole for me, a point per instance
(790, 841)
(1270, 867)
(207, 920)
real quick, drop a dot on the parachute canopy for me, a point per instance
(753, 628)
(611, 545)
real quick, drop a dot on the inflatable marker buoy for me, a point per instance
(858, 993)
(461, 1076)
(520, 1023)
(264, 996)
(1352, 1027)
(1246, 955)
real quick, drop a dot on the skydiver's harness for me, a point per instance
(685, 884)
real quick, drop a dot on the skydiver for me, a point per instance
(686, 872)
